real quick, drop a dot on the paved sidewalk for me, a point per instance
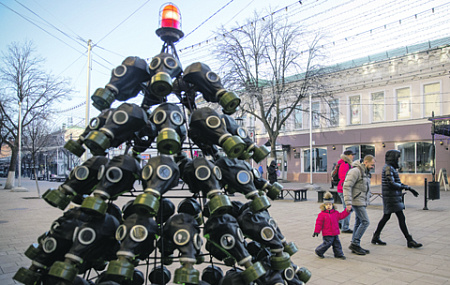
(23, 218)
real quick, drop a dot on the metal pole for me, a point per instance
(20, 145)
(88, 86)
(310, 139)
(425, 195)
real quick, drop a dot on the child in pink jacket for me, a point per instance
(328, 223)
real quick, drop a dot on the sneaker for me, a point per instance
(341, 257)
(319, 254)
(356, 249)
(349, 231)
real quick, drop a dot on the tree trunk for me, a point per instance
(12, 169)
(37, 184)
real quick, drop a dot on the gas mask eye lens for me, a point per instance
(81, 172)
(101, 170)
(120, 117)
(86, 236)
(164, 172)
(202, 173)
(267, 233)
(217, 172)
(181, 237)
(159, 117)
(94, 123)
(212, 76)
(120, 71)
(156, 61)
(289, 273)
(49, 245)
(242, 132)
(176, 118)
(121, 232)
(213, 122)
(243, 177)
(114, 174)
(256, 173)
(147, 172)
(138, 233)
(227, 241)
(273, 223)
(170, 62)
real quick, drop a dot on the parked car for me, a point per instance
(39, 176)
(57, 178)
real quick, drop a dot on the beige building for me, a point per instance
(381, 102)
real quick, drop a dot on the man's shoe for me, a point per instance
(319, 254)
(349, 231)
(341, 257)
(356, 249)
(366, 250)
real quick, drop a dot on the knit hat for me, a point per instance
(328, 198)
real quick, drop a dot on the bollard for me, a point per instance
(425, 195)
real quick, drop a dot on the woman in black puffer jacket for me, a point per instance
(393, 199)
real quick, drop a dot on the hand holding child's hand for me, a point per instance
(348, 208)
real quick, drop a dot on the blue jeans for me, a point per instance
(330, 241)
(344, 222)
(361, 223)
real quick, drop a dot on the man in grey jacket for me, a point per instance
(356, 196)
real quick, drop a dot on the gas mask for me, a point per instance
(92, 241)
(212, 274)
(159, 176)
(203, 176)
(208, 83)
(272, 190)
(191, 207)
(207, 128)
(136, 236)
(119, 127)
(51, 246)
(163, 68)
(76, 147)
(225, 241)
(82, 181)
(116, 178)
(169, 121)
(125, 83)
(252, 150)
(238, 177)
(160, 275)
(182, 232)
(144, 137)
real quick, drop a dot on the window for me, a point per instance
(315, 115)
(281, 117)
(319, 160)
(431, 99)
(298, 118)
(377, 106)
(355, 110)
(403, 103)
(416, 157)
(334, 113)
(361, 150)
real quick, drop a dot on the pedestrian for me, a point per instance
(260, 169)
(344, 165)
(391, 190)
(327, 222)
(356, 196)
(272, 170)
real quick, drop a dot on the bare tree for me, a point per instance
(275, 63)
(24, 82)
(37, 136)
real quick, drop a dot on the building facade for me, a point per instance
(379, 103)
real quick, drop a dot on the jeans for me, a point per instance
(344, 222)
(361, 224)
(330, 241)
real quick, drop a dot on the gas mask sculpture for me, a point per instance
(164, 67)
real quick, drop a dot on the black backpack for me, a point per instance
(335, 173)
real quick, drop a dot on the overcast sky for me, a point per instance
(61, 29)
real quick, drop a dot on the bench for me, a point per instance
(300, 194)
(320, 193)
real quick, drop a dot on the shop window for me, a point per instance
(416, 157)
(319, 160)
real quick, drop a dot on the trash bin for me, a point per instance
(433, 190)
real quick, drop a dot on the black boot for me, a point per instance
(356, 249)
(376, 239)
(412, 243)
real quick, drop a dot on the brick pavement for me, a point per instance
(23, 218)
